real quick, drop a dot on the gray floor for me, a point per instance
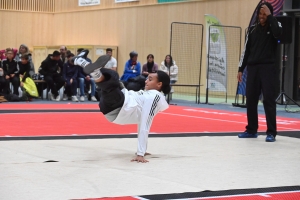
(101, 167)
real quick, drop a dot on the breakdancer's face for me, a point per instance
(152, 82)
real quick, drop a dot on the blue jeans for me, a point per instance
(82, 81)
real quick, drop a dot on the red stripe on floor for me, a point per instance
(174, 120)
(65, 106)
(269, 196)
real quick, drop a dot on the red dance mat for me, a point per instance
(267, 196)
(176, 119)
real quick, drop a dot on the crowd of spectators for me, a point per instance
(58, 71)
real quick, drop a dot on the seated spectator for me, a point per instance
(49, 68)
(70, 73)
(24, 67)
(3, 87)
(87, 84)
(3, 56)
(150, 66)
(63, 54)
(112, 63)
(23, 49)
(169, 66)
(132, 68)
(27, 85)
(86, 80)
(11, 72)
(68, 52)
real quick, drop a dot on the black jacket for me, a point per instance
(261, 44)
(24, 69)
(70, 71)
(50, 67)
(10, 67)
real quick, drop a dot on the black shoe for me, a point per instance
(100, 62)
(82, 54)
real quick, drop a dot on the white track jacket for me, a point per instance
(140, 108)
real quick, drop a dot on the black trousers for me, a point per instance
(15, 81)
(261, 78)
(71, 88)
(55, 82)
(111, 95)
(4, 85)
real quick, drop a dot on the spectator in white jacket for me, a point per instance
(169, 66)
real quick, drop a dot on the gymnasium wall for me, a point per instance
(30, 28)
(143, 26)
(146, 29)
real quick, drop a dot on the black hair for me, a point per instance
(165, 79)
(109, 49)
(171, 60)
(25, 57)
(258, 10)
(80, 50)
(133, 54)
(150, 55)
(68, 52)
(70, 55)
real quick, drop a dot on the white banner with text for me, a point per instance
(88, 2)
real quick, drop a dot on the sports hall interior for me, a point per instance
(67, 150)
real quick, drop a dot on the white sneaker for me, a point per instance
(65, 97)
(96, 74)
(57, 98)
(74, 98)
(50, 96)
(93, 98)
(81, 62)
(82, 98)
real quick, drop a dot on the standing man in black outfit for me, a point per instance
(259, 56)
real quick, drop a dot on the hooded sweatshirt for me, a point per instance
(50, 67)
(24, 70)
(261, 44)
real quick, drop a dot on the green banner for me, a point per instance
(216, 49)
(169, 1)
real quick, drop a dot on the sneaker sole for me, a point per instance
(270, 140)
(255, 136)
(100, 62)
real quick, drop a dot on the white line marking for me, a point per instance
(264, 195)
(223, 120)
